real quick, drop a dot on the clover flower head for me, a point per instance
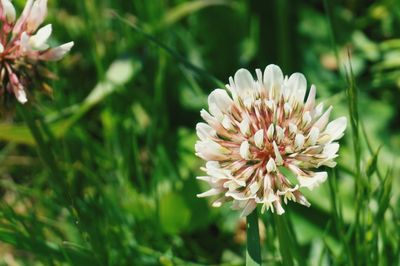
(263, 141)
(23, 46)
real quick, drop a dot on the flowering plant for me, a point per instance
(257, 127)
(23, 46)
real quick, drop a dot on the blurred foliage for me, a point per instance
(113, 181)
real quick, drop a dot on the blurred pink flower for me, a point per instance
(23, 46)
(256, 128)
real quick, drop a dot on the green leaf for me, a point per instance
(174, 213)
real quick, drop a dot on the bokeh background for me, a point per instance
(118, 186)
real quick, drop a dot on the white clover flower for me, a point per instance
(23, 46)
(258, 128)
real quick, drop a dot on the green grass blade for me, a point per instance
(171, 52)
(284, 241)
(253, 251)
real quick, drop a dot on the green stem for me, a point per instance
(285, 243)
(253, 251)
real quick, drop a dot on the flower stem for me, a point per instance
(253, 251)
(285, 242)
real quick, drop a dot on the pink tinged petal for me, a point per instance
(218, 203)
(329, 152)
(221, 99)
(329, 163)
(245, 150)
(57, 53)
(280, 134)
(21, 22)
(298, 85)
(292, 128)
(214, 169)
(207, 117)
(331, 149)
(249, 208)
(1, 48)
(204, 131)
(227, 123)
(36, 15)
(271, 166)
(309, 105)
(38, 41)
(267, 182)
(318, 110)
(312, 181)
(278, 207)
(260, 85)
(9, 11)
(232, 88)
(324, 119)
(288, 195)
(259, 138)
(313, 136)
(211, 151)
(287, 190)
(301, 199)
(207, 179)
(213, 107)
(334, 130)
(17, 88)
(295, 169)
(278, 156)
(211, 192)
(245, 126)
(273, 79)
(24, 42)
(271, 105)
(299, 142)
(254, 187)
(231, 185)
(306, 119)
(270, 132)
(287, 108)
(244, 83)
(239, 196)
(20, 94)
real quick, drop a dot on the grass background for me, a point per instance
(103, 172)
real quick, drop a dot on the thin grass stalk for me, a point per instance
(253, 250)
(44, 151)
(48, 158)
(352, 94)
(337, 214)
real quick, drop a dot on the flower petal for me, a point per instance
(204, 131)
(297, 83)
(57, 53)
(334, 130)
(8, 10)
(312, 181)
(244, 82)
(38, 41)
(250, 206)
(273, 78)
